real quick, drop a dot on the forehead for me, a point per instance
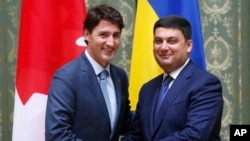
(107, 26)
(162, 32)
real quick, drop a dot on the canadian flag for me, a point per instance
(51, 34)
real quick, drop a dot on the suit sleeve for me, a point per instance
(135, 132)
(204, 112)
(59, 111)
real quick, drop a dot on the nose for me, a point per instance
(110, 41)
(164, 45)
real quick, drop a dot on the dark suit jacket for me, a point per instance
(191, 110)
(76, 108)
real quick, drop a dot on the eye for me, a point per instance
(103, 34)
(117, 35)
(172, 40)
(158, 41)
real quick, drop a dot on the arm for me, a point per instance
(134, 132)
(204, 111)
(60, 111)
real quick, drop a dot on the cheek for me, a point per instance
(155, 52)
(117, 42)
(156, 49)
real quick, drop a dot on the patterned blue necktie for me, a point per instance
(161, 95)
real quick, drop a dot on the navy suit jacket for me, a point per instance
(191, 110)
(76, 108)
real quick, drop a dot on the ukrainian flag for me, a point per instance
(143, 65)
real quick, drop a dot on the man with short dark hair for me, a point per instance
(184, 103)
(78, 107)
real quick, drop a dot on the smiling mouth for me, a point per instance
(165, 56)
(108, 50)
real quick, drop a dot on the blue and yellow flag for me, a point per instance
(143, 64)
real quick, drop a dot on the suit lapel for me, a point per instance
(117, 84)
(179, 83)
(90, 78)
(150, 103)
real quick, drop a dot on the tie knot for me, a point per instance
(167, 80)
(104, 74)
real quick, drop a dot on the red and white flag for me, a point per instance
(51, 34)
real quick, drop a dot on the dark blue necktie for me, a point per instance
(161, 95)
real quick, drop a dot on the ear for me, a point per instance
(189, 45)
(86, 34)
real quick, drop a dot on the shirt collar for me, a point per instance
(175, 73)
(96, 66)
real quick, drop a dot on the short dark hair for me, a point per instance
(102, 12)
(175, 22)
